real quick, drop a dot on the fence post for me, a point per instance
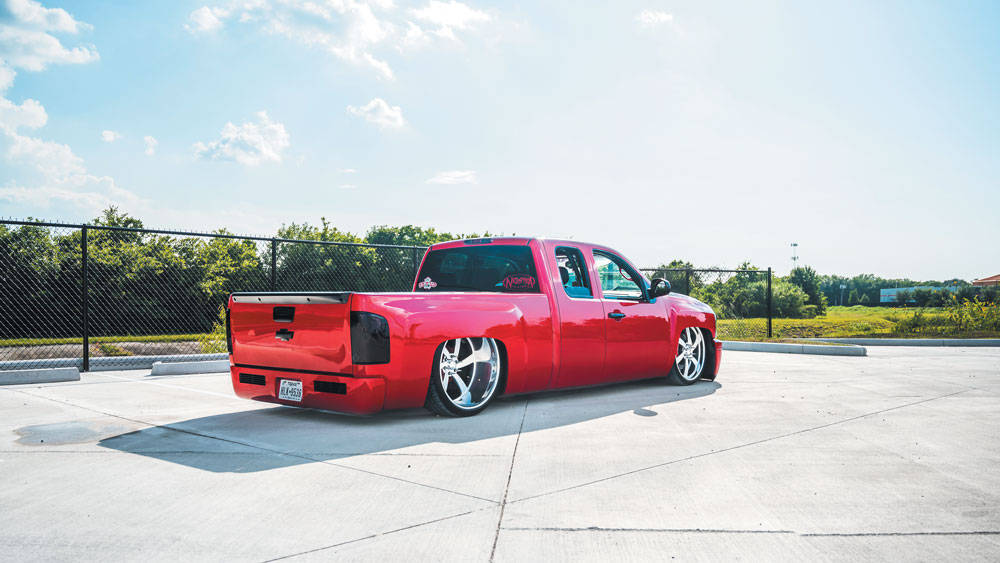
(274, 264)
(769, 308)
(416, 265)
(687, 281)
(83, 295)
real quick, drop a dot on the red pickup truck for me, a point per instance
(486, 317)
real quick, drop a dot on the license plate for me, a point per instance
(290, 390)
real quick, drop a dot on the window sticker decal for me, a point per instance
(427, 284)
(519, 282)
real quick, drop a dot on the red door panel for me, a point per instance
(636, 340)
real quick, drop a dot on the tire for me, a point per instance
(691, 358)
(466, 377)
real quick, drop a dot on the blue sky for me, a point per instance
(867, 132)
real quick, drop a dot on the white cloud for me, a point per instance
(653, 18)
(347, 186)
(380, 113)
(350, 30)
(251, 143)
(150, 143)
(58, 174)
(454, 177)
(26, 39)
(109, 136)
(203, 20)
(33, 14)
(55, 161)
(62, 177)
(449, 16)
(6, 77)
(29, 114)
(347, 171)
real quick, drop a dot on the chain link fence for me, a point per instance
(742, 299)
(99, 297)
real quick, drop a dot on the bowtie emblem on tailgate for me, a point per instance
(284, 334)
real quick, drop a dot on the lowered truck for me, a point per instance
(486, 317)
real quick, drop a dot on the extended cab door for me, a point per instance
(581, 318)
(637, 336)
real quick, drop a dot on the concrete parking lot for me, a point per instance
(891, 456)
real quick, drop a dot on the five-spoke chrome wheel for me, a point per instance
(467, 375)
(690, 359)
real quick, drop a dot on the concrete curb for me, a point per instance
(109, 363)
(22, 376)
(187, 368)
(994, 342)
(785, 348)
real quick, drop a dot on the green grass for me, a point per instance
(846, 322)
(97, 339)
(112, 350)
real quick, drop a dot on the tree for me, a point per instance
(903, 297)
(922, 297)
(852, 297)
(681, 276)
(808, 281)
(744, 295)
(409, 235)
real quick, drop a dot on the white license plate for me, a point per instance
(290, 390)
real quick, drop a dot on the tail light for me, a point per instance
(369, 338)
(229, 334)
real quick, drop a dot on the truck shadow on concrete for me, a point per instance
(273, 437)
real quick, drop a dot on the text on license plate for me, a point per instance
(290, 390)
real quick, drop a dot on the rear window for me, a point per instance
(494, 267)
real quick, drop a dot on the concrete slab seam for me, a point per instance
(738, 446)
(373, 536)
(510, 473)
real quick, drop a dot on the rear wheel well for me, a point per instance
(440, 399)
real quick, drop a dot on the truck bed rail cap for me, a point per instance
(292, 298)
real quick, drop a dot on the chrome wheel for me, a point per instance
(690, 359)
(469, 371)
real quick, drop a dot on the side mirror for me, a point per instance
(659, 288)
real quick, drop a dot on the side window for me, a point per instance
(616, 277)
(573, 272)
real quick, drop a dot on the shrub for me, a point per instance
(903, 297)
(973, 315)
(922, 297)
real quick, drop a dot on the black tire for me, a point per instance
(692, 345)
(439, 398)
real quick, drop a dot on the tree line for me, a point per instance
(804, 293)
(143, 283)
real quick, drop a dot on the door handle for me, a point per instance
(284, 334)
(616, 316)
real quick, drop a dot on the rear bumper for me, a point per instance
(334, 393)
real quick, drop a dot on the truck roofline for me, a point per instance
(510, 240)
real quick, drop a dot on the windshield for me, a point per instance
(494, 267)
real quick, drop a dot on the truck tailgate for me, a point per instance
(295, 332)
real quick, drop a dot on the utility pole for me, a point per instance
(795, 255)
